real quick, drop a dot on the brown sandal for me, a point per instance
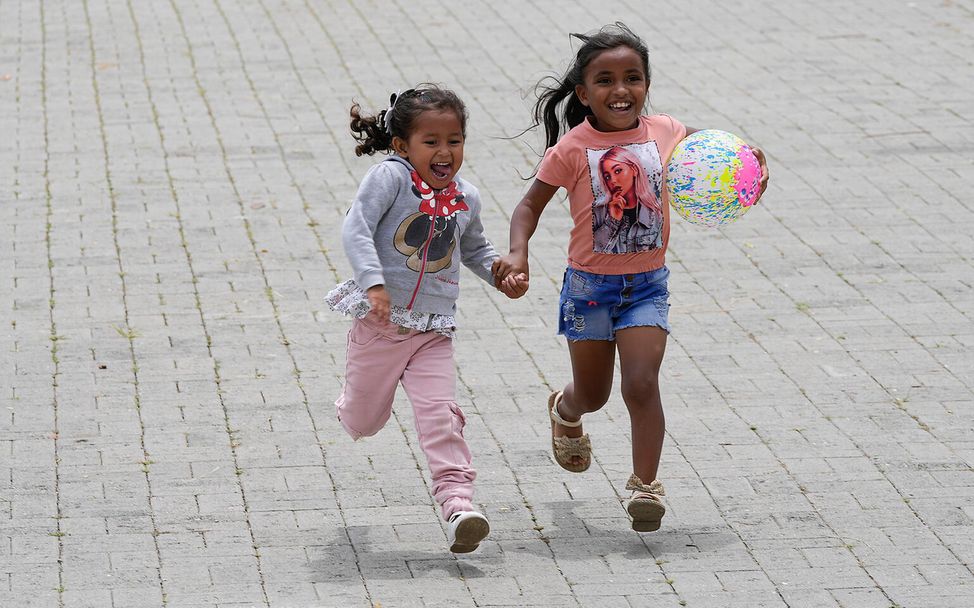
(564, 448)
(645, 506)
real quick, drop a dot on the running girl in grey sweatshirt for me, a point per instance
(413, 222)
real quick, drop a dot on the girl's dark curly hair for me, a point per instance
(375, 132)
(552, 91)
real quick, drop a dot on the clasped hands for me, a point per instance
(511, 275)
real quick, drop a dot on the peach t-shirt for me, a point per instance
(615, 193)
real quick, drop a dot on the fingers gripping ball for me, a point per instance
(712, 178)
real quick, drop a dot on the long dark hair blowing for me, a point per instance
(374, 132)
(552, 91)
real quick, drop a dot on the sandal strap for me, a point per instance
(636, 485)
(553, 412)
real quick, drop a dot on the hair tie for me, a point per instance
(385, 116)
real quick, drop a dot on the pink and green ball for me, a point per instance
(712, 178)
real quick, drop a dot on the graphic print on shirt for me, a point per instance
(428, 237)
(627, 215)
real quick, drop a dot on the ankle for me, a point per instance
(561, 411)
(452, 506)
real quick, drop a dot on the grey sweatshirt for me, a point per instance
(400, 234)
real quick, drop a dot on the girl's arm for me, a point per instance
(524, 221)
(375, 196)
(478, 254)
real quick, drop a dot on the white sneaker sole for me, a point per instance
(469, 534)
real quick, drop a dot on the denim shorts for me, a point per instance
(596, 306)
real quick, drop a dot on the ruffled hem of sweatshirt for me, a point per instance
(351, 300)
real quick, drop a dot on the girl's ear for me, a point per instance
(399, 146)
(582, 94)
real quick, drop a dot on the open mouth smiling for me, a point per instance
(440, 170)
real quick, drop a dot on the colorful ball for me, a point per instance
(712, 178)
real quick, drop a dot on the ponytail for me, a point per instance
(369, 131)
(550, 97)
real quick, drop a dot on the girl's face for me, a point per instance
(614, 87)
(619, 178)
(434, 148)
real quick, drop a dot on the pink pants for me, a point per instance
(379, 357)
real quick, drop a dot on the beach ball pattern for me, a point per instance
(712, 178)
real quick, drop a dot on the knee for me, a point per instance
(360, 421)
(358, 431)
(589, 399)
(639, 391)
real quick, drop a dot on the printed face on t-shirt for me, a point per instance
(627, 216)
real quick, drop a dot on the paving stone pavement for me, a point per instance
(173, 175)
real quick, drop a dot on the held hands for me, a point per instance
(379, 301)
(514, 285)
(511, 275)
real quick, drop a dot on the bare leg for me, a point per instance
(641, 352)
(592, 365)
